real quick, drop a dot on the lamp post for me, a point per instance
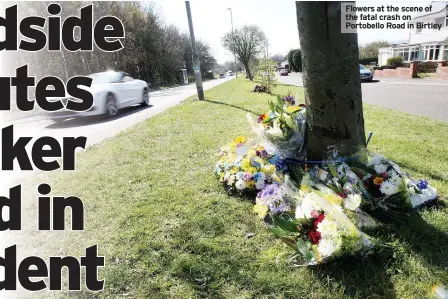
(196, 64)
(231, 21)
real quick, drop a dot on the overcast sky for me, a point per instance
(211, 20)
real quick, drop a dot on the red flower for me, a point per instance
(314, 236)
(384, 174)
(261, 117)
(318, 220)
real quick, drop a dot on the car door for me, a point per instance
(129, 91)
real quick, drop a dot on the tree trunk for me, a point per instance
(331, 79)
(249, 74)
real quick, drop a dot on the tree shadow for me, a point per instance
(360, 277)
(233, 106)
(425, 240)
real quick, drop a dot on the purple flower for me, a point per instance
(279, 205)
(247, 176)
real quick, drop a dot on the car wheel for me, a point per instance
(145, 98)
(111, 105)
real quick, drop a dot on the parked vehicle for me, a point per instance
(111, 92)
(283, 72)
(229, 74)
(365, 73)
(222, 76)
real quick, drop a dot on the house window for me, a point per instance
(446, 18)
(431, 52)
(414, 54)
(445, 54)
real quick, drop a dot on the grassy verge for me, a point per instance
(169, 230)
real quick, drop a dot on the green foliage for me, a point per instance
(370, 50)
(291, 60)
(267, 68)
(297, 59)
(395, 61)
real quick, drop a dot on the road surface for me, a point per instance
(96, 129)
(426, 97)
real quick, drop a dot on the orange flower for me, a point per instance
(378, 180)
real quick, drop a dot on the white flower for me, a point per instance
(411, 190)
(388, 188)
(299, 212)
(309, 205)
(239, 175)
(240, 185)
(327, 228)
(259, 184)
(396, 179)
(231, 179)
(375, 160)
(380, 168)
(241, 150)
(352, 201)
(327, 246)
(226, 176)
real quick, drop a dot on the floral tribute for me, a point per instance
(321, 209)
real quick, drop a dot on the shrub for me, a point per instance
(297, 59)
(377, 68)
(427, 67)
(395, 61)
(364, 61)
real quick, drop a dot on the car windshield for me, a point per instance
(361, 67)
(106, 77)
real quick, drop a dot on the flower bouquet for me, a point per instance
(246, 167)
(284, 126)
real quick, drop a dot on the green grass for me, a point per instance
(169, 230)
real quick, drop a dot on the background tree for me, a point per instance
(331, 77)
(291, 60)
(297, 60)
(369, 52)
(279, 58)
(153, 51)
(246, 43)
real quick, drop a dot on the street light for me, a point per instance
(231, 20)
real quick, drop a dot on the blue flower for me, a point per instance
(422, 184)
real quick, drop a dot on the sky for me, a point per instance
(211, 20)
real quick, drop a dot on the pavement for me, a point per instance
(425, 97)
(96, 129)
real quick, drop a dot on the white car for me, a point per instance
(111, 92)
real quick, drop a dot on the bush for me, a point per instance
(297, 59)
(389, 67)
(371, 60)
(427, 67)
(377, 68)
(395, 61)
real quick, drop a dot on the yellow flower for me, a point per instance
(252, 169)
(245, 164)
(292, 109)
(250, 184)
(234, 170)
(261, 209)
(221, 177)
(378, 180)
(268, 169)
(240, 139)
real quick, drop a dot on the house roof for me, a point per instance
(437, 6)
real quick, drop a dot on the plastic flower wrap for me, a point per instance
(245, 167)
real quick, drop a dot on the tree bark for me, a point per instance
(331, 80)
(249, 74)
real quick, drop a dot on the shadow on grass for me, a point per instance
(362, 277)
(230, 105)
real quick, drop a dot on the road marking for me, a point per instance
(416, 83)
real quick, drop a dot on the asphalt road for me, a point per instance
(96, 129)
(426, 97)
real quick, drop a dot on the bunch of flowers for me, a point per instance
(245, 168)
(274, 199)
(318, 230)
